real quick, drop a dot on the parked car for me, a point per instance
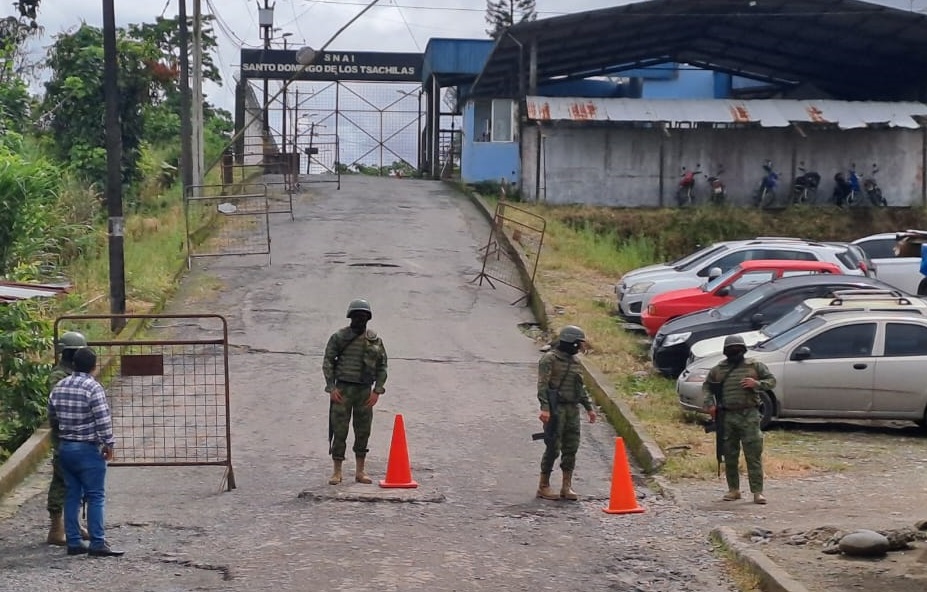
(725, 287)
(841, 301)
(760, 306)
(846, 365)
(901, 272)
(636, 289)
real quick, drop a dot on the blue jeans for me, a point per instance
(84, 473)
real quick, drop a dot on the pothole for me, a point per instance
(372, 265)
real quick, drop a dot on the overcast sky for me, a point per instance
(393, 25)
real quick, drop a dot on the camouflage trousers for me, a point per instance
(743, 428)
(566, 443)
(56, 489)
(341, 415)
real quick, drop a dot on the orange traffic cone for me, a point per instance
(398, 469)
(623, 499)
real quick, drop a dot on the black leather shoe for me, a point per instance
(105, 552)
(77, 550)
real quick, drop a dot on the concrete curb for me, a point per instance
(645, 450)
(24, 460)
(772, 577)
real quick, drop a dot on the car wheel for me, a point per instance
(767, 409)
(922, 288)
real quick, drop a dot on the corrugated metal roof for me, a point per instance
(766, 112)
(13, 291)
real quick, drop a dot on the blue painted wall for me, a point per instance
(455, 56)
(487, 161)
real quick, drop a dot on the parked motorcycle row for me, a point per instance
(850, 188)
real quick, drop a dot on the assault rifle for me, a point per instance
(550, 428)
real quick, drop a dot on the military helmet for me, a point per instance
(359, 304)
(72, 340)
(571, 334)
(734, 340)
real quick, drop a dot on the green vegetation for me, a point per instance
(52, 175)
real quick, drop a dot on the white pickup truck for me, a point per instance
(900, 272)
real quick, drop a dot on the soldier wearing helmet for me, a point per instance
(560, 392)
(732, 395)
(68, 343)
(355, 372)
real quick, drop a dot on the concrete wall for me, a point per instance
(486, 161)
(616, 166)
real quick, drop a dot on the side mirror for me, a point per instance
(725, 291)
(757, 320)
(714, 272)
(802, 353)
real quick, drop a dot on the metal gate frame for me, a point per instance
(522, 227)
(146, 358)
(262, 211)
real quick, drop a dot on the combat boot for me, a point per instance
(759, 498)
(566, 490)
(731, 495)
(336, 473)
(360, 475)
(544, 490)
(84, 534)
(56, 530)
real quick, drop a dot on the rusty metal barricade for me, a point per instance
(280, 195)
(518, 229)
(225, 221)
(169, 397)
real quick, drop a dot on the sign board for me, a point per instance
(364, 66)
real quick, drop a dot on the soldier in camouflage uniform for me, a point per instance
(67, 344)
(558, 369)
(741, 381)
(355, 372)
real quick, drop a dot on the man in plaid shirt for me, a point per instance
(78, 409)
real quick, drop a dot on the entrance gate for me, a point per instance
(219, 223)
(168, 392)
(347, 112)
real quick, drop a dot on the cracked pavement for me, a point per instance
(462, 373)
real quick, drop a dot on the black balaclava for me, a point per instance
(569, 348)
(735, 354)
(359, 322)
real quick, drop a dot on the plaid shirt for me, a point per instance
(78, 407)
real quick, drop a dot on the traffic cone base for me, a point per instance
(398, 467)
(622, 500)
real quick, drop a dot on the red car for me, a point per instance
(725, 287)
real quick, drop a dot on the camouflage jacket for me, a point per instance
(355, 358)
(557, 369)
(734, 396)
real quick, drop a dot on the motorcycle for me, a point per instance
(765, 194)
(805, 186)
(847, 188)
(685, 194)
(872, 189)
(718, 192)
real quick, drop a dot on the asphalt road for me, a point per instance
(462, 374)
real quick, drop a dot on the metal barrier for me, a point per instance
(280, 195)
(169, 397)
(523, 230)
(221, 223)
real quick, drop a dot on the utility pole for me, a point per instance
(186, 131)
(266, 22)
(113, 133)
(198, 99)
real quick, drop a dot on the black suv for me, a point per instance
(760, 306)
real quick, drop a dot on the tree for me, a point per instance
(164, 34)
(502, 14)
(74, 100)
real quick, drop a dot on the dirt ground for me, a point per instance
(882, 486)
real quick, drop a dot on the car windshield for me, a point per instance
(696, 258)
(739, 305)
(790, 335)
(710, 285)
(787, 321)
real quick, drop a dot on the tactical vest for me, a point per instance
(357, 362)
(568, 373)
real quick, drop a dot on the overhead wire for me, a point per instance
(408, 28)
